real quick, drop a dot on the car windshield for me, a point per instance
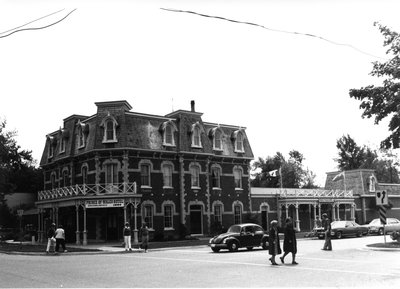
(338, 224)
(375, 222)
(234, 229)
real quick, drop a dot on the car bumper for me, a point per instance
(218, 246)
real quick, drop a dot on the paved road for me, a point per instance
(348, 265)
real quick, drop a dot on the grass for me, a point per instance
(388, 245)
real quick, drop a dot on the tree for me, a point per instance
(17, 170)
(353, 156)
(293, 174)
(384, 101)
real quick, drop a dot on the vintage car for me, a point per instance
(341, 229)
(246, 235)
(376, 227)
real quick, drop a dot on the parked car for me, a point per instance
(341, 229)
(376, 227)
(246, 235)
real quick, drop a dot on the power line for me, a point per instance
(274, 30)
(31, 21)
(35, 28)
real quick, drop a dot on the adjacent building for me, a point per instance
(177, 173)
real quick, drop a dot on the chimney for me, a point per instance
(192, 105)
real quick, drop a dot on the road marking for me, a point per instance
(298, 267)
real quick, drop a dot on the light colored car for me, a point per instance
(341, 229)
(376, 227)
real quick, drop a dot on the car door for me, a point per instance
(258, 234)
(246, 236)
(349, 229)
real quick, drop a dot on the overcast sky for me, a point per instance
(289, 90)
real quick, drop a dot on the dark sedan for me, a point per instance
(240, 236)
(341, 229)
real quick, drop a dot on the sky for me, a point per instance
(290, 90)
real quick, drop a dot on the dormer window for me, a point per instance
(110, 129)
(216, 135)
(168, 129)
(238, 137)
(62, 145)
(196, 135)
(52, 142)
(83, 131)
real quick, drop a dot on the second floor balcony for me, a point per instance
(87, 189)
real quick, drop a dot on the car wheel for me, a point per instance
(249, 248)
(359, 234)
(320, 237)
(215, 250)
(233, 246)
(265, 244)
(339, 235)
(380, 231)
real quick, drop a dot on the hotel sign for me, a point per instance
(104, 203)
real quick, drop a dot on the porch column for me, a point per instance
(297, 217)
(78, 240)
(125, 205)
(338, 211)
(56, 215)
(352, 212)
(315, 215)
(319, 212)
(84, 227)
(287, 210)
(135, 231)
(40, 229)
(334, 212)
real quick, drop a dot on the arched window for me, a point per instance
(84, 174)
(216, 177)
(218, 213)
(109, 125)
(237, 211)
(145, 175)
(217, 140)
(148, 213)
(111, 173)
(65, 178)
(238, 137)
(195, 176)
(167, 175)
(168, 217)
(196, 135)
(53, 180)
(237, 175)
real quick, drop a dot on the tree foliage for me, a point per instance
(17, 170)
(353, 156)
(293, 173)
(384, 100)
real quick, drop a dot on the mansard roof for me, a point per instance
(140, 131)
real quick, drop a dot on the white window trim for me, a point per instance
(235, 137)
(150, 164)
(104, 123)
(214, 133)
(196, 126)
(240, 169)
(173, 127)
(191, 176)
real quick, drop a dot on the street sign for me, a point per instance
(382, 215)
(382, 198)
(20, 213)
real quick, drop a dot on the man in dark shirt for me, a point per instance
(326, 223)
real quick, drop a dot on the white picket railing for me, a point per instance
(319, 193)
(87, 189)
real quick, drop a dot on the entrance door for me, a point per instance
(264, 217)
(112, 227)
(196, 220)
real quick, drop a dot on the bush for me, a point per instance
(395, 236)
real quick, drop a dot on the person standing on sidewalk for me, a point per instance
(144, 232)
(326, 223)
(50, 238)
(60, 239)
(290, 242)
(127, 237)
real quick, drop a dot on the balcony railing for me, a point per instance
(86, 189)
(318, 193)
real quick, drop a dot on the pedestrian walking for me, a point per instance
(127, 237)
(289, 242)
(60, 238)
(326, 223)
(51, 232)
(144, 232)
(274, 244)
